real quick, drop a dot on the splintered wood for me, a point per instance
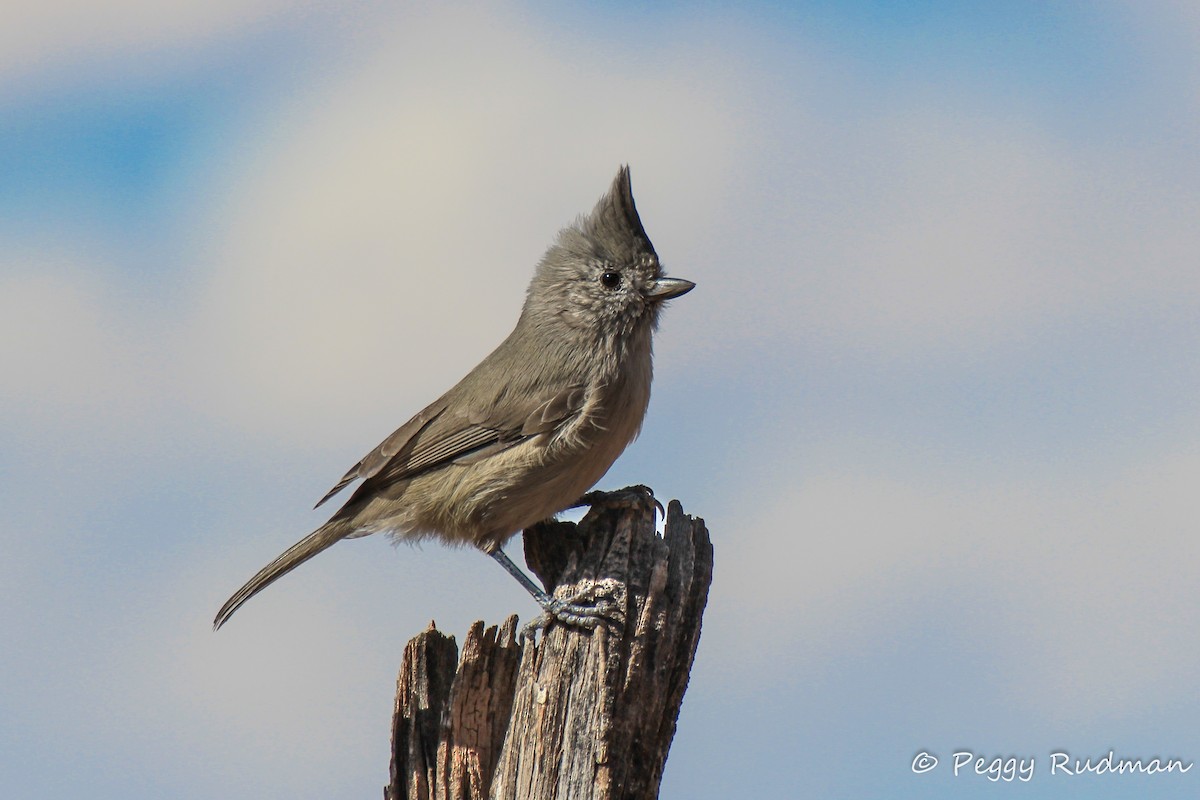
(578, 714)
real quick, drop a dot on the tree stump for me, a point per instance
(579, 714)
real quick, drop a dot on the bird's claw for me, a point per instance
(586, 615)
(629, 497)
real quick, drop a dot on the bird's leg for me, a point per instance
(629, 497)
(580, 615)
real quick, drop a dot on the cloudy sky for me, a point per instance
(935, 394)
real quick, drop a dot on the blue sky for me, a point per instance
(934, 394)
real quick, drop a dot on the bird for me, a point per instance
(530, 429)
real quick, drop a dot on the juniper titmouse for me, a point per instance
(531, 428)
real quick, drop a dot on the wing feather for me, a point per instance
(403, 437)
(437, 436)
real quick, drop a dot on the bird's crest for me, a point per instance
(614, 223)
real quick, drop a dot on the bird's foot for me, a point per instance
(629, 497)
(591, 604)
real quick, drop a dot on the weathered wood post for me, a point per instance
(579, 714)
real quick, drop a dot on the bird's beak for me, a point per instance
(666, 288)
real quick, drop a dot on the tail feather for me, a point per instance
(322, 538)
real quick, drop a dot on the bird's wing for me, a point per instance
(438, 435)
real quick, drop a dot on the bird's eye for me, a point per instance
(610, 279)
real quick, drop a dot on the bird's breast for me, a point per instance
(487, 501)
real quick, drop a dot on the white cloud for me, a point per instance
(1080, 584)
(47, 37)
(941, 222)
(67, 354)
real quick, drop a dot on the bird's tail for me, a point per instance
(323, 537)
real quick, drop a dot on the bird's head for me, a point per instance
(602, 274)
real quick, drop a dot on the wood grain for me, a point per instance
(578, 714)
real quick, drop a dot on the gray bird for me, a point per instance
(531, 428)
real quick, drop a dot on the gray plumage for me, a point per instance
(537, 423)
